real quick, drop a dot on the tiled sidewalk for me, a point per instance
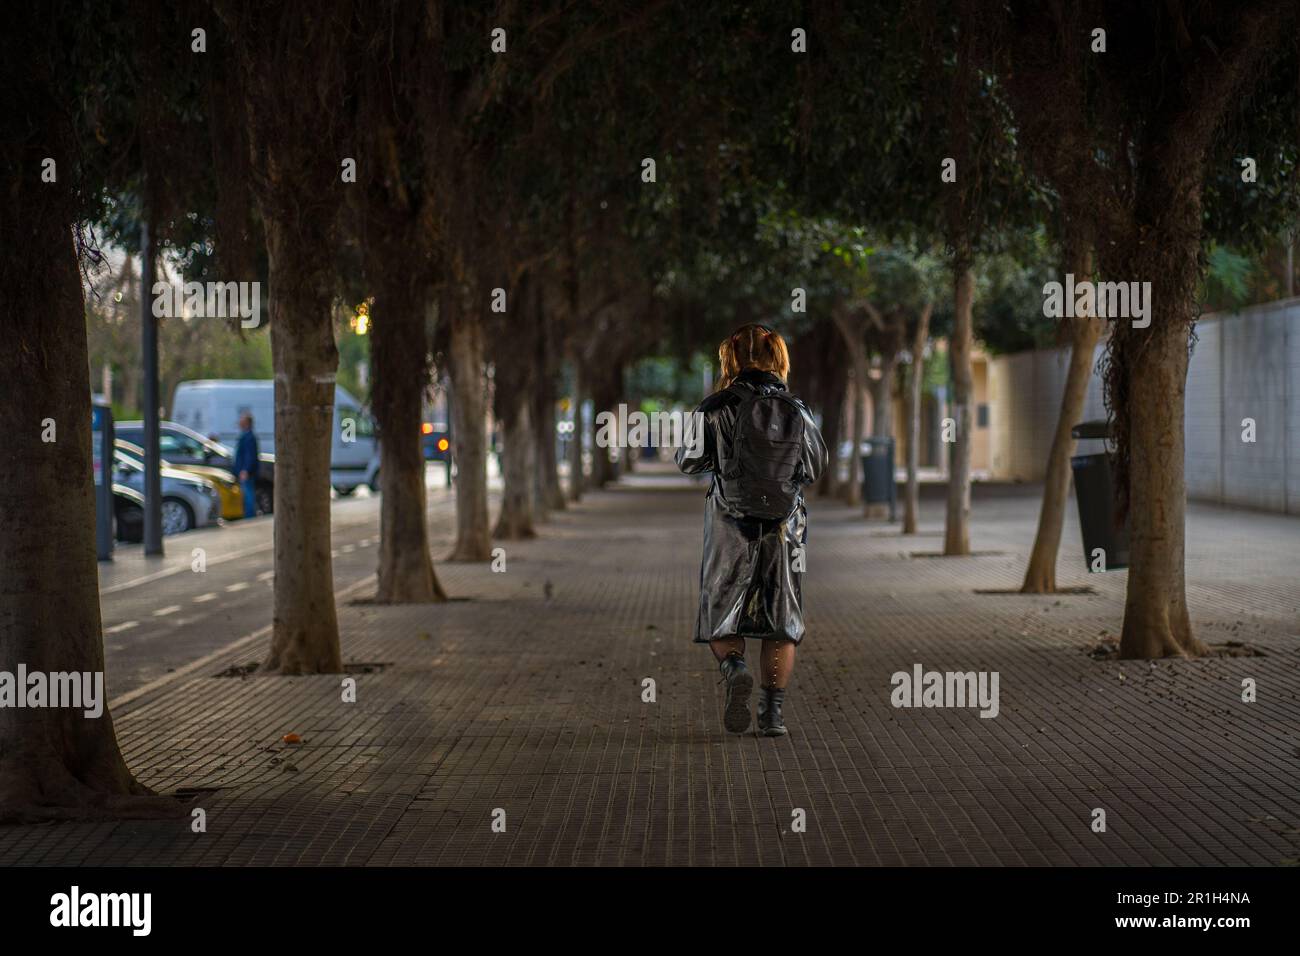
(512, 701)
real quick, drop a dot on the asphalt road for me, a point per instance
(161, 613)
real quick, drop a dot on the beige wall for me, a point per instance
(981, 445)
(981, 442)
(1244, 366)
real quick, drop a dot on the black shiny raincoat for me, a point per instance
(748, 582)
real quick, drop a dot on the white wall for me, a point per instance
(1245, 365)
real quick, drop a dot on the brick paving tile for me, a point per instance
(510, 702)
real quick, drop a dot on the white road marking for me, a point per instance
(334, 554)
(266, 575)
(124, 626)
(237, 586)
(207, 659)
(167, 572)
(349, 548)
(169, 609)
(210, 596)
(184, 565)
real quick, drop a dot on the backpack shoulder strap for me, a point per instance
(747, 395)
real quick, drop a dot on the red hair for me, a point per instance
(753, 346)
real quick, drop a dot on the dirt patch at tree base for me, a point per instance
(969, 554)
(1107, 649)
(375, 602)
(349, 667)
(1084, 589)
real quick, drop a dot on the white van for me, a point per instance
(214, 406)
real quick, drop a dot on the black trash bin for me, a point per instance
(878, 486)
(1095, 492)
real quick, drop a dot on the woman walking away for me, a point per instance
(762, 447)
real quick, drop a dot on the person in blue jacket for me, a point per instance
(246, 460)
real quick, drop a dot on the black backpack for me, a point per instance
(759, 477)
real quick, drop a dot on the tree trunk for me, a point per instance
(1146, 383)
(851, 334)
(399, 359)
(604, 399)
(956, 538)
(915, 392)
(882, 418)
(1085, 332)
(577, 483)
(832, 414)
(469, 435)
(852, 490)
(549, 454)
(831, 384)
(629, 458)
(1156, 622)
(286, 136)
(515, 521)
(548, 457)
(1160, 244)
(305, 633)
(537, 484)
(1147, 378)
(549, 496)
(55, 762)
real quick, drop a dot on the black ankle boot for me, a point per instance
(770, 723)
(740, 684)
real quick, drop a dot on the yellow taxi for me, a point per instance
(228, 490)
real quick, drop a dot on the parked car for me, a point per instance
(214, 406)
(188, 501)
(182, 447)
(228, 490)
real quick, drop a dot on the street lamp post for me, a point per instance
(152, 458)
